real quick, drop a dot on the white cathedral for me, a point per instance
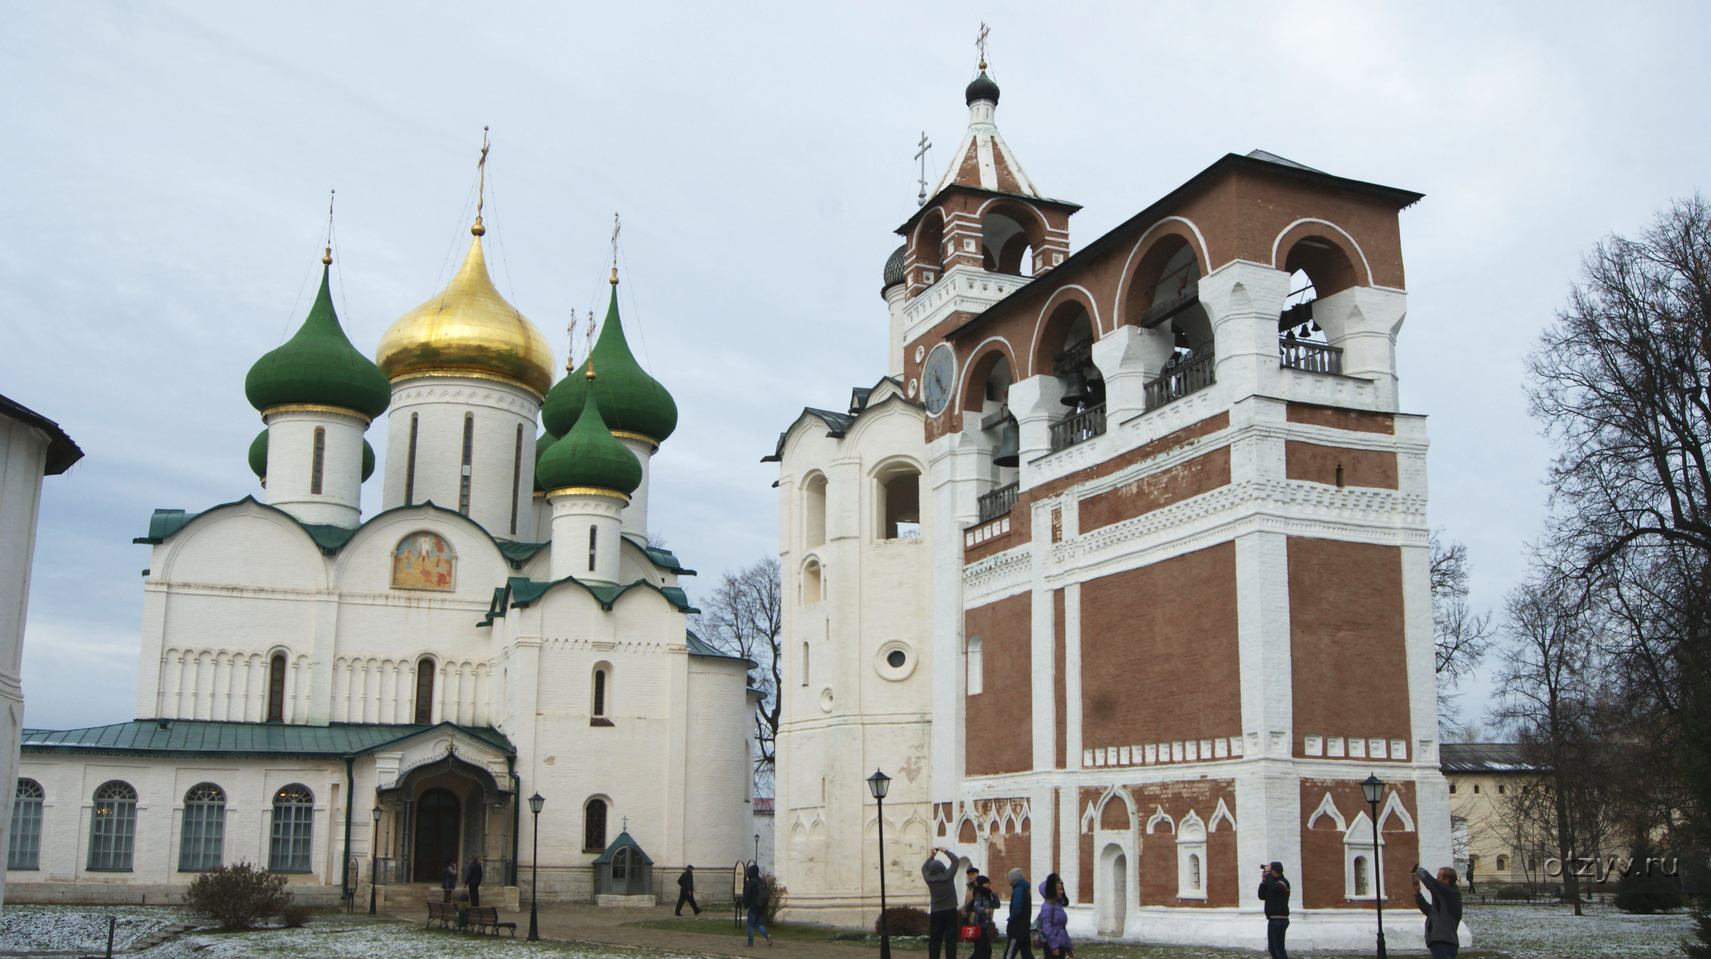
(349, 699)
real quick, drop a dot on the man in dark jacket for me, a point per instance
(1274, 892)
(942, 925)
(472, 876)
(686, 891)
(1443, 913)
(1017, 929)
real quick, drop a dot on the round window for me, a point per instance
(894, 660)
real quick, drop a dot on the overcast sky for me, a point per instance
(166, 170)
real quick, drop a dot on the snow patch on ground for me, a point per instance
(337, 939)
(1555, 932)
(26, 929)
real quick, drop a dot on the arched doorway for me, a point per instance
(437, 816)
(1113, 899)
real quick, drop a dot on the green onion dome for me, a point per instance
(981, 89)
(319, 366)
(630, 400)
(543, 443)
(258, 455)
(589, 456)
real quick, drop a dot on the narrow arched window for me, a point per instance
(112, 827)
(320, 460)
(516, 479)
(276, 689)
(293, 829)
(805, 649)
(202, 840)
(25, 845)
(468, 453)
(976, 667)
(599, 693)
(621, 865)
(410, 466)
(593, 541)
(425, 692)
(1194, 871)
(594, 826)
(1360, 876)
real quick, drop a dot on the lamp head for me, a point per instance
(879, 784)
(377, 814)
(536, 802)
(1373, 788)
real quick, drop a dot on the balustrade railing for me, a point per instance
(1314, 357)
(1078, 427)
(998, 502)
(1194, 374)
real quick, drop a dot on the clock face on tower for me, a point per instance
(937, 376)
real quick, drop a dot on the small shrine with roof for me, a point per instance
(354, 699)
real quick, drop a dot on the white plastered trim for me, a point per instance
(1221, 813)
(1278, 240)
(1158, 817)
(1127, 276)
(1050, 304)
(1328, 808)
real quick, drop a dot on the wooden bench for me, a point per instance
(485, 919)
(444, 913)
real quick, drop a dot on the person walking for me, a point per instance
(1054, 921)
(448, 879)
(686, 891)
(1274, 892)
(472, 876)
(1016, 929)
(942, 905)
(755, 900)
(1443, 913)
(983, 903)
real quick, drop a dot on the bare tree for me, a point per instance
(1461, 637)
(1548, 696)
(1622, 382)
(745, 617)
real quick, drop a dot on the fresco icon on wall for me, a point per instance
(423, 561)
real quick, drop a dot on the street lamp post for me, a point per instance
(879, 784)
(1374, 790)
(757, 848)
(372, 885)
(535, 803)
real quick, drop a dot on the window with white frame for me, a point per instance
(293, 829)
(25, 845)
(112, 827)
(976, 667)
(202, 841)
(1191, 858)
(1359, 860)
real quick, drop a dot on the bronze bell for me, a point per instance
(1078, 393)
(1009, 444)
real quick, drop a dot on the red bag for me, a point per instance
(972, 933)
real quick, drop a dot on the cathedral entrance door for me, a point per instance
(437, 817)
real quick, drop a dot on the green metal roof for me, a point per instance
(165, 522)
(622, 842)
(700, 647)
(525, 591)
(184, 737)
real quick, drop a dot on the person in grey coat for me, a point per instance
(1443, 912)
(942, 925)
(448, 879)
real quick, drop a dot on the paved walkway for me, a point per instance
(584, 922)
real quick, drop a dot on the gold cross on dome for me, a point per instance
(570, 344)
(481, 172)
(626, 826)
(616, 226)
(980, 43)
(589, 333)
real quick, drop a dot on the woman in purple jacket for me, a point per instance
(1053, 919)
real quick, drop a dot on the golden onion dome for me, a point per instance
(468, 329)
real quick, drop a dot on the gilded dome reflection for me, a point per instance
(468, 328)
